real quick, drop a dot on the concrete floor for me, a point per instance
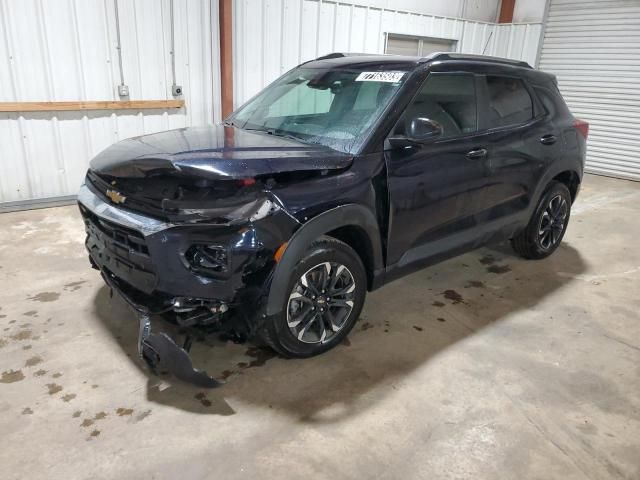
(486, 366)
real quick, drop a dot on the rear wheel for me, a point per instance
(326, 294)
(547, 226)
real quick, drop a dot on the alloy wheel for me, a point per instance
(552, 222)
(321, 302)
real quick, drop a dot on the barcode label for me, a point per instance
(390, 77)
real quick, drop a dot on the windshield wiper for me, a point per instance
(290, 136)
(278, 133)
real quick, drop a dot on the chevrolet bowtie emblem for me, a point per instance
(116, 197)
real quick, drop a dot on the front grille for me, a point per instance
(121, 237)
(120, 250)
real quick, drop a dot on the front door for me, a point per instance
(435, 189)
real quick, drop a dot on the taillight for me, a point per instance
(582, 127)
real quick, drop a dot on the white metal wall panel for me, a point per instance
(272, 36)
(481, 10)
(65, 50)
(518, 41)
(594, 49)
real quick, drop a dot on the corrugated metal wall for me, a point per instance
(272, 36)
(594, 49)
(518, 41)
(65, 50)
(480, 10)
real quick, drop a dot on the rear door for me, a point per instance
(520, 142)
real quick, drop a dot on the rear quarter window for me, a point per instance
(509, 101)
(546, 98)
(551, 99)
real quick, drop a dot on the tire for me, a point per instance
(325, 260)
(547, 226)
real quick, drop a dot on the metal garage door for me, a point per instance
(594, 49)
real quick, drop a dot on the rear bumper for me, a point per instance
(145, 259)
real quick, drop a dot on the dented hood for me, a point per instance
(217, 152)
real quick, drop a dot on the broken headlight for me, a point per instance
(208, 259)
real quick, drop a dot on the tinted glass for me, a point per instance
(509, 101)
(547, 100)
(447, 99)
(552, 99)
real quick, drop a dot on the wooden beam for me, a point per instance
(225, 15)
(506, 11)
(97, 105)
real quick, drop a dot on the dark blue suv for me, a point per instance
(345, 173)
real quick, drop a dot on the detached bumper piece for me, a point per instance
(162, 354)
(159, 350)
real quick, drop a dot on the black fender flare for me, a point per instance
(342, 216)
(549, 175)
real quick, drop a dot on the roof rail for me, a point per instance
(436, 56)
(329, 56)
(476, 58)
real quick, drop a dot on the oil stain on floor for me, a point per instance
(202, 397)
(45, 297)
(73, 286)
(53, 388)
(35, 360)
(454, 296)
(499, 269)
(11, 376)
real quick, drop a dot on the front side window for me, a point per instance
(449, 99)
(327, 106)
(509, 102)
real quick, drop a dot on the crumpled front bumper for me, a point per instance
(160, 351)
(163, 354)
(142, 259)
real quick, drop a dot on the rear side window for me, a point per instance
(551, 99)
(509, 101)
(449, 99)
(547, 100)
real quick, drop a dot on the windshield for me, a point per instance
(328, 106)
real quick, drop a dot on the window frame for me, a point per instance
(476, 92)
(538, 111)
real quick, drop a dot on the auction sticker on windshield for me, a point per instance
(390, 77)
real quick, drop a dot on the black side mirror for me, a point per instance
(419, 131)
(423, 130)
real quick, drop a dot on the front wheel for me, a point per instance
(547, 226)
(327, 289)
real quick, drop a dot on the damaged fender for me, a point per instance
(346, 215)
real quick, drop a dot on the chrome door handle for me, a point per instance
(548, 139)
(477, 153)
